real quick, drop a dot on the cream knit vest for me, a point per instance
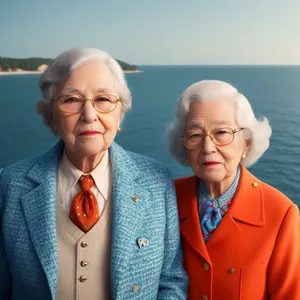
(83, 258)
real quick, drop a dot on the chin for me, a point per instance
(91, 147)
(212, 177)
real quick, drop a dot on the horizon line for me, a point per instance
(216, 65)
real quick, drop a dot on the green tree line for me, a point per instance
(31, 64)
(127, 67)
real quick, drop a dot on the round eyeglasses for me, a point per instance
(73, 103)
(192, 139)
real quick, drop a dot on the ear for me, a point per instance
(248, 145)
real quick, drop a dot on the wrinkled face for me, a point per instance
(88, 132)
(210, 162)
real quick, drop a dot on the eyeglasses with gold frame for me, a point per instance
(192, 139)
(74, 103)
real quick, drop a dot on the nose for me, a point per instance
(208, 146)
(89, 113)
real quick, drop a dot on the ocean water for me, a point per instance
(273, 91)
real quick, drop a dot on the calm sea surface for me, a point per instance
(273, 92)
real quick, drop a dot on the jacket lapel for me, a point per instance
(187, 196)
(39, 206)
(128, 210)
(246, 207)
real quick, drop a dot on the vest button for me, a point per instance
(231, 271)
(83, 263)
(135, 288)
(83, 244)
(82, 278)
(204, 297)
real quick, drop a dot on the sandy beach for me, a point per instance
(19, 73)
(134, 71)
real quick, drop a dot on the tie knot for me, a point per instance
(86, 182)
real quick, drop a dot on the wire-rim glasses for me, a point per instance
(193, 139)
(73, 103)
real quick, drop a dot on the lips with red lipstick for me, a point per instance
(211, 163)
(89, 132)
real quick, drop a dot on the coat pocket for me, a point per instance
(253, 282)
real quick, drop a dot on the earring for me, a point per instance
(118, 130)
(244, 155)
(187, 161)
(54, 132)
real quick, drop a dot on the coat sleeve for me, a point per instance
(173, 280)
(284, 268)
(5, 280)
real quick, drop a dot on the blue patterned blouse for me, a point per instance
(211, 211)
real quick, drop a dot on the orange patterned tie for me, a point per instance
(84, 210)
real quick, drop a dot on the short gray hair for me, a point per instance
(61, 68)
(258, 132)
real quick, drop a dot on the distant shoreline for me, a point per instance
(19, 72)
(3, 73)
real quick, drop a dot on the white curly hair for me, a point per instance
(257, 131)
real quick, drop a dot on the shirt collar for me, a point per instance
(101, 175)
(220, 201)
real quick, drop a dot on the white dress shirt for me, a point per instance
(69, 176)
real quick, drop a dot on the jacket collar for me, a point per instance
(248, 203)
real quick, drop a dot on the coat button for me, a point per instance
(135, 288)
(135, 198)
(83, 263)
(82, 278)
(255, 184)
(206, 266)
(204, 297)
(231, 271)
(83, 244)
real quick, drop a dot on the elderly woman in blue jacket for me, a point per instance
(88, 219)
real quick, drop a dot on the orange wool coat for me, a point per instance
(253, 254)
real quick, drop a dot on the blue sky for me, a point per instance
(157, 31)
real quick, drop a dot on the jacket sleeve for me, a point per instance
(5, 280)
(173, 280)
(284, 268)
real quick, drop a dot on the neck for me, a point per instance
(85, 164)
(216, 189)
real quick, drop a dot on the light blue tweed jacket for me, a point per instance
(28, 247)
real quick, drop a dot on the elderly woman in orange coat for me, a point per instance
(241, 237)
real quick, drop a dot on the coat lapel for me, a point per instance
(246, 207)
(187, 197)
(128, 210)
(39, 206)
